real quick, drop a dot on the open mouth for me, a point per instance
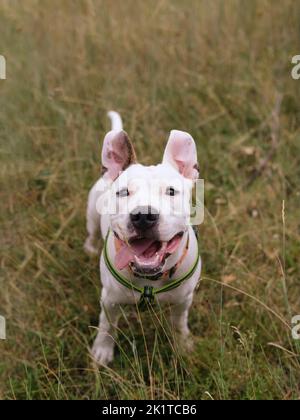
(145, 255)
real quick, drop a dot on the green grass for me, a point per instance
(211, 68)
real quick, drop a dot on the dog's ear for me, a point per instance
(181, 153)
(117, 154)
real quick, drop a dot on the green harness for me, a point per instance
(147, 292)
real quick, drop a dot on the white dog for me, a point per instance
(151, 251)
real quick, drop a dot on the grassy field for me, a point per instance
(214, 69)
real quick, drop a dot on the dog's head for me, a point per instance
(149, 205)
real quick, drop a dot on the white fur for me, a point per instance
(116, 120)
(113, 293)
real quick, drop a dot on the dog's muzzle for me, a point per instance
(144, 218)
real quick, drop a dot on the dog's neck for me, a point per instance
(176, 264)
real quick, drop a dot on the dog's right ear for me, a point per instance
(117, 154)
(181, 153)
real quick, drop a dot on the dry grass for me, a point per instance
(211, 68)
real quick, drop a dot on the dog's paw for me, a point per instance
(186, 342)
(102, 354)
(90, 247)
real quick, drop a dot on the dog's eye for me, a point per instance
(123, 193)
(171, 191)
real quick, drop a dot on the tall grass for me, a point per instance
(211, 68)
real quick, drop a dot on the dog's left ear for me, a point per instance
(117, 154)
(181, 153)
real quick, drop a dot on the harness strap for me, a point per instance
(147, 292)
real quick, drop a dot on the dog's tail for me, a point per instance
(116, 120)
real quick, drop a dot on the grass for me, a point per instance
(211, 68)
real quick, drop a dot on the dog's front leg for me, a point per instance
(103, 348)
(179, 321)
(92, 223)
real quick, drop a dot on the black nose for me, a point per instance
(144, 218)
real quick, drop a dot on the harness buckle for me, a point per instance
(147, 297)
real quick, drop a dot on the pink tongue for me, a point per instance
(173, 244)
(127, 252)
